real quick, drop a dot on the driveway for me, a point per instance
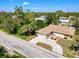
(56, 47)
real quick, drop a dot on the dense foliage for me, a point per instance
(24, 23)
(20, 22)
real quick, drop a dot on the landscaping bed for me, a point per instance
(46, 46)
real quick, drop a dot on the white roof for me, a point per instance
(41, 18)
(64, 20)
(63, 17)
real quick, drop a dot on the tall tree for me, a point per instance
(39, 24)
(12, 25)
(31, 16)
(76, 25)
(28, 29)
(52, 19)
(18, 12)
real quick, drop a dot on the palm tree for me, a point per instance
(18, 11)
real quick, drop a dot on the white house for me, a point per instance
(41, 18)
(64, 21)
(56, 31)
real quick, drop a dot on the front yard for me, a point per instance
(65, 45)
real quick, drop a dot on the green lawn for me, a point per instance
(25, 37)
(46, 46)
(65, 44)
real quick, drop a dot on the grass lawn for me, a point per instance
(3, 30)
(46, 46)
(25, 37)
(65, 44)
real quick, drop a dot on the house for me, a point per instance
(71, 17)
(64, 21)
(54, 31)
(14, 16)
(41, 18)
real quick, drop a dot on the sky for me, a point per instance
(41, 5)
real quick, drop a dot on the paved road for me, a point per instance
(26, 48)
(56, 47)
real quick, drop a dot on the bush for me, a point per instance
(70, 54)
(65, 45)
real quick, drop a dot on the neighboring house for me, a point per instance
(14, 16)
(64, 21)
(78, 18)
(41, 18)
(56, 31)
(71, 17)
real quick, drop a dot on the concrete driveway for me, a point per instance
(56, 47)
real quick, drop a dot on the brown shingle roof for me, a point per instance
(58, 29)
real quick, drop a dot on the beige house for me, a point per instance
(54, 31)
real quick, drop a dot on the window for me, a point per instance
(65, 37)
